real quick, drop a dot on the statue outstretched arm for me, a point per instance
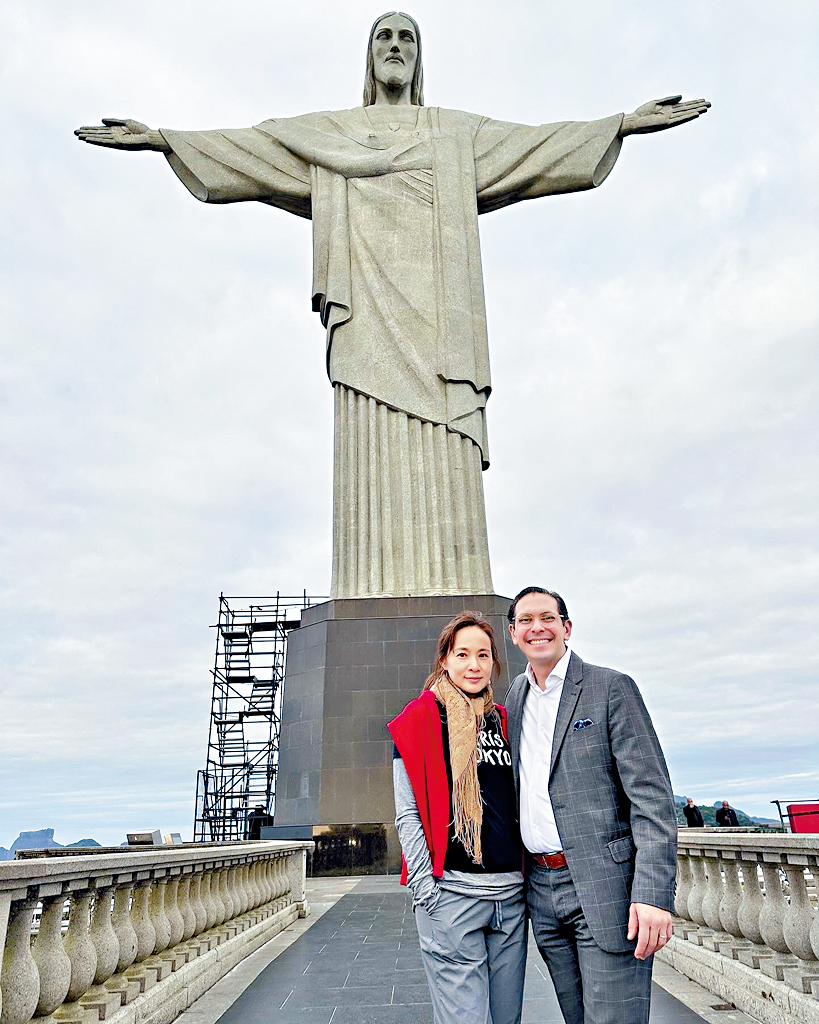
(123, 133)
(657, 115)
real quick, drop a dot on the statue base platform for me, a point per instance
(351, 667)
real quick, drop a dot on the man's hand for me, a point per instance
(657, 115)
(652, 927)
(123, 133)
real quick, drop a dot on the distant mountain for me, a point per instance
(39, 839)
(42, 839)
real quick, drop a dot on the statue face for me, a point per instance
(395, 52)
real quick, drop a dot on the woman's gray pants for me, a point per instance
(474, 955)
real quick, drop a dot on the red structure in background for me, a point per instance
(803, 817)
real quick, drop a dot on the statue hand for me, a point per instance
(122, 133)
(657, 115)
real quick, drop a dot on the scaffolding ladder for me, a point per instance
(245, 719)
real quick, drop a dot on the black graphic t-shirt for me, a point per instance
(500, 833)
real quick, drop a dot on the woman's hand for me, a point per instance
(425, 893)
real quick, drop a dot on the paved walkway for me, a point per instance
(356, 960)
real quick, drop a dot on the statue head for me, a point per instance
(417, 84)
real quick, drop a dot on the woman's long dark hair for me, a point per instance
(417, 86)
(446, 641)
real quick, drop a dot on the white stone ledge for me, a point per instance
(135, 863)
(768, 1000)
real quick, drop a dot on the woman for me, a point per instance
(456, 818)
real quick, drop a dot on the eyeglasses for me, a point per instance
(547, 618)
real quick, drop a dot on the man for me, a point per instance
(394, 190)
(597, 819)
(692, 814)
(257, 820)
(727, 816)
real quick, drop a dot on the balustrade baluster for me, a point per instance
(53, 964)
(288, 866)
(697, 894)
(772, 915)
(19, 978)
(814, 928)
(224, 895)
(241, 885)
(284, 886)
(274, 873)
(5, 907)
(141, 920)
(684, 885)
(183, 901)
(713, 893)
(752, 902)
(79, 945)
(197, 905)
(176, 922)
(103, 935)
(216, 896)
(233, 891)
(123, 928)
(271, 877)
(729, 907)
(798, 915)
(210, 897)
(159, 919)
(255, 889)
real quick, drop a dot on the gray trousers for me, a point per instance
(474, 955)
(592, 986)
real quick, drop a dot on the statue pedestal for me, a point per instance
(351, 667)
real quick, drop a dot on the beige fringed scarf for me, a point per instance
(465, 715)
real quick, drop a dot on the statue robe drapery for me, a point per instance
(397, 281)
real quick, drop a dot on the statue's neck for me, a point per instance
(381, 115)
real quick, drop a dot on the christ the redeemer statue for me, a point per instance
(394, 190)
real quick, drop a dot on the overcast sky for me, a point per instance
(167, 420)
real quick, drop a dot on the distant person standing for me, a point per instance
(257, 820)
(727, 816)
(692, 814)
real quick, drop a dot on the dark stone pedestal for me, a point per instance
(351, 667)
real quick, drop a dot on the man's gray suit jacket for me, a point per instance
(611, 796)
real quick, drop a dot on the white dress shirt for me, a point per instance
(537, 821)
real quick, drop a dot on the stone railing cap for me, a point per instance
(30, 872)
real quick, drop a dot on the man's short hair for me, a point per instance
(562, 610)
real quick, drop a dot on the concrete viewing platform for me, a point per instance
(355, 960)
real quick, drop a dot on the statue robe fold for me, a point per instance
(397, 282)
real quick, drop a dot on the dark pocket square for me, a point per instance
(582, 723)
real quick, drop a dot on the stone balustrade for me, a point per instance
(138, 935)
(746, 925)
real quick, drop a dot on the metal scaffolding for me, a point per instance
(245, 718)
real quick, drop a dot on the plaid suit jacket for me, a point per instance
(611, 796)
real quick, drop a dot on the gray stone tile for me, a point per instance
(404, 994)
(415, 1014)
(314, 996)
